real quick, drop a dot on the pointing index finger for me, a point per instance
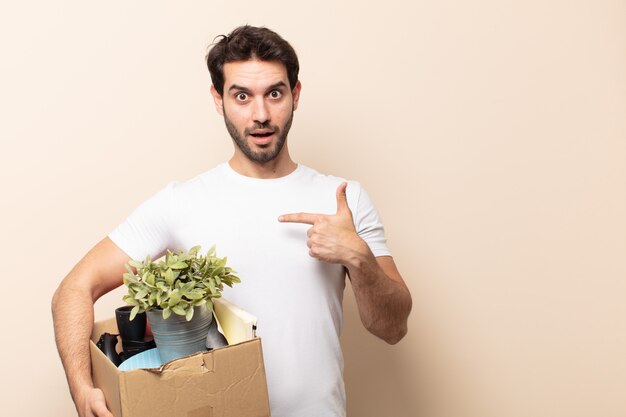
(306, 218)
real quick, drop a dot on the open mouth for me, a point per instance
(261, 134)
(262, 137)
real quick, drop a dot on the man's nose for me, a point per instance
(260, 113)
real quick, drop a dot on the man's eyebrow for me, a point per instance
(246, 90)
(276, 85)
(238, 87)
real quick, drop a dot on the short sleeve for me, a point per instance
(369, 225)
(147, 231)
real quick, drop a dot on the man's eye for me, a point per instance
(242, 96)
(275, 94)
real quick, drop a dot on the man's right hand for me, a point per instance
(92, 404)
(99, 272)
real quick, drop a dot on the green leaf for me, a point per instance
(135, 264)
(212, 287)
(195, 295)
(129, 299)
(189, 314)
(179, 310)
(129, 278)
(179, 265)
(233, 279)
(141, 294)
(187, 287)
(166, 313)
(174, 297)
(133, 312)
(169, 277)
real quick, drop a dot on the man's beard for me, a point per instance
(264, 155)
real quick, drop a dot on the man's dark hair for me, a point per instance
(249, 42)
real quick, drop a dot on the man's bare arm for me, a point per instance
(383, 299)
(99, 272)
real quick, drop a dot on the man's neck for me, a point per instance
(281, 166)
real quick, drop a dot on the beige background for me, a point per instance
(490, 134)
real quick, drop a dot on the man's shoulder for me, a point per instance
(313, 174)
(320, 185)
(328, 180)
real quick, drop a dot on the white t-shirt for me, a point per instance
(296, 298)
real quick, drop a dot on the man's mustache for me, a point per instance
(257, 126)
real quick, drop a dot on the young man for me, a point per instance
(290, 232)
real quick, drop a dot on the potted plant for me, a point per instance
(176, 293)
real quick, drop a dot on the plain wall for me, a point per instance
(491, 135)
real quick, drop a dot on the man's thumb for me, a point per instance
(342, 199)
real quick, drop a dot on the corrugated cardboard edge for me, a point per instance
(105, 375)
(202, 359)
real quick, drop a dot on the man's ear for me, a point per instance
(295, 93)
(219, 101)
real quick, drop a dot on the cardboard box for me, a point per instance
(225, 382)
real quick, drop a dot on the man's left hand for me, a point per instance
(332, 237)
